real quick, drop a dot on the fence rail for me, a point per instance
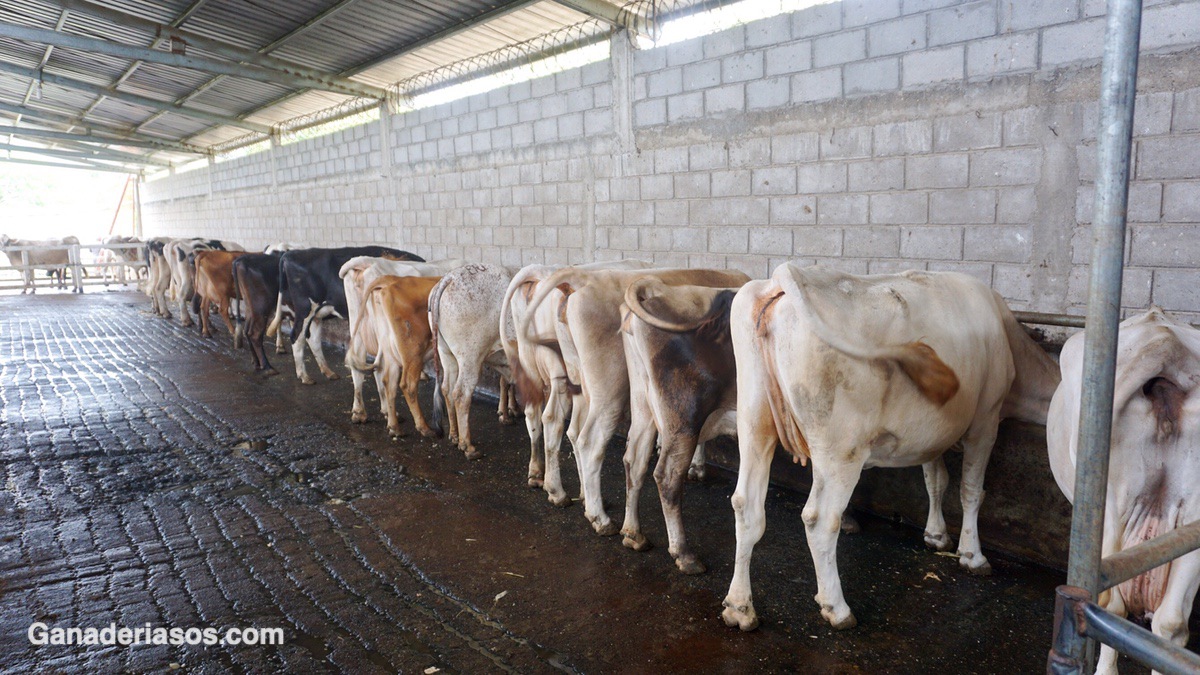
(19, 261)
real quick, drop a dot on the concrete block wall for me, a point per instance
(870, 136)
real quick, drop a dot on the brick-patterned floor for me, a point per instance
(150, 477)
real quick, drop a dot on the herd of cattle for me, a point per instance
(845, 371)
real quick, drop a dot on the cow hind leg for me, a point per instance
(537, 468)
(674, 465)
(936, 478)
(822, 517)
(410, 380)
(387, 393)
(755, 450)
(638, 448)
(464, 391)
(205, 322)
(358, 410)
(318, 350)
(449, 393)
(593, 437)
(977, 448)
(223, 310)
(554, 417)
(298, 345)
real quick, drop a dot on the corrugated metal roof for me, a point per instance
(366, 41)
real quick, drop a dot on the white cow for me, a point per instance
(57, 258)
(589, 340)
(1154, 463)
(855, 372)
(464, 315)
(539, 375)
(357, 274)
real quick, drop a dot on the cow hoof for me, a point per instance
(560, 500)
(307, 380)
(396, 434)
(696, 474)
(742, 617)
(332, 376)
(536, 482)
(941, 542)
(427, 432)
(270, 372)
(206, 334)
(636, 541)
(850, 525)
(690, 565)
(606, 529)
(472, 453)
(358, 417)
(838, 620)
(969, 562)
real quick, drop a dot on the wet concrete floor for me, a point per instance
(149, 476)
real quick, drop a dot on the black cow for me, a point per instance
(256, 286)
(310, 286)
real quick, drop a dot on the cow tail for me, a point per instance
(355, 357)
(238, 320)
(435, 311)
(936, 381)
(567, 280)
(528, 392)
(277, 321)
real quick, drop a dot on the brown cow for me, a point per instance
(214, 283)
(399, 310)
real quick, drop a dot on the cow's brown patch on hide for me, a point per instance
(936, 380)
(790, 436)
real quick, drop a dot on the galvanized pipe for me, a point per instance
(1127, 564)
(1118, 89)
(1137, 642)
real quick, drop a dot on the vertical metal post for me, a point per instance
(76, 268)
(1118, 89)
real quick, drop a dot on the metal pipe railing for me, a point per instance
(1127, 564)
(74, 263)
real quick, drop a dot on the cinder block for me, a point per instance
(771, 31)
(1187, 111)
(568, 79)
(962, 23)
(638, 213)
(732, 211)
(1016, 204)
(644, 61)
(821, 177)
(817, 85)
(774, 181)
(788, 58)
(595, 73)
(1013, 282)
(689, 239)
(895, 37)
(1083, 41)
(962, 206)
(729, 41)
(931, 66)
(1171, 25)
(899, 208)
(1177, 289)
(728, 240)
(981, 271)
(870, 77)
(1017, 16)
(840, 48)
(818, 20)
(664, 82)
(725, 99)
(871, 242)
(862, 12)
(685, 106)
(967, 132)
(600, 121)
(1023, 126)
(770, 240)
(903, 138)
(876, 175)
(673, 213)
(846, 143)
(1165, 246)
(792, 148)
(931, 243)
(692, 185)
(657, 186)
(701, 75)
(671, 160)
(936, 171)
(742, 67)
(793, 210)
(1181, 204)
(1174, 157)
(842, 209)
(688, 51)
(750, 152)
(731, 183)
(570, 126)
(707, 156)
(1136, 286)
(754, 266)
(627, 188)
(1006, 167)
(817, 241)
(770, 93)
(998, 244)
(1152, 114)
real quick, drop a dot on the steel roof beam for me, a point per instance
(60, 165)
(222, 49)
(253, 72)
(92, 128)
(135, 99)
(71, 154)
(87, 138)
(82, 146)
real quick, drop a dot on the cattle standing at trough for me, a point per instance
(682, 377)
(55, 260)
(590, 345)
(309, 286)
(120, 257)
(464, 315)
(177, 253)
(854, 372)
(1153, 463)
(358, 273)
(214, 284)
